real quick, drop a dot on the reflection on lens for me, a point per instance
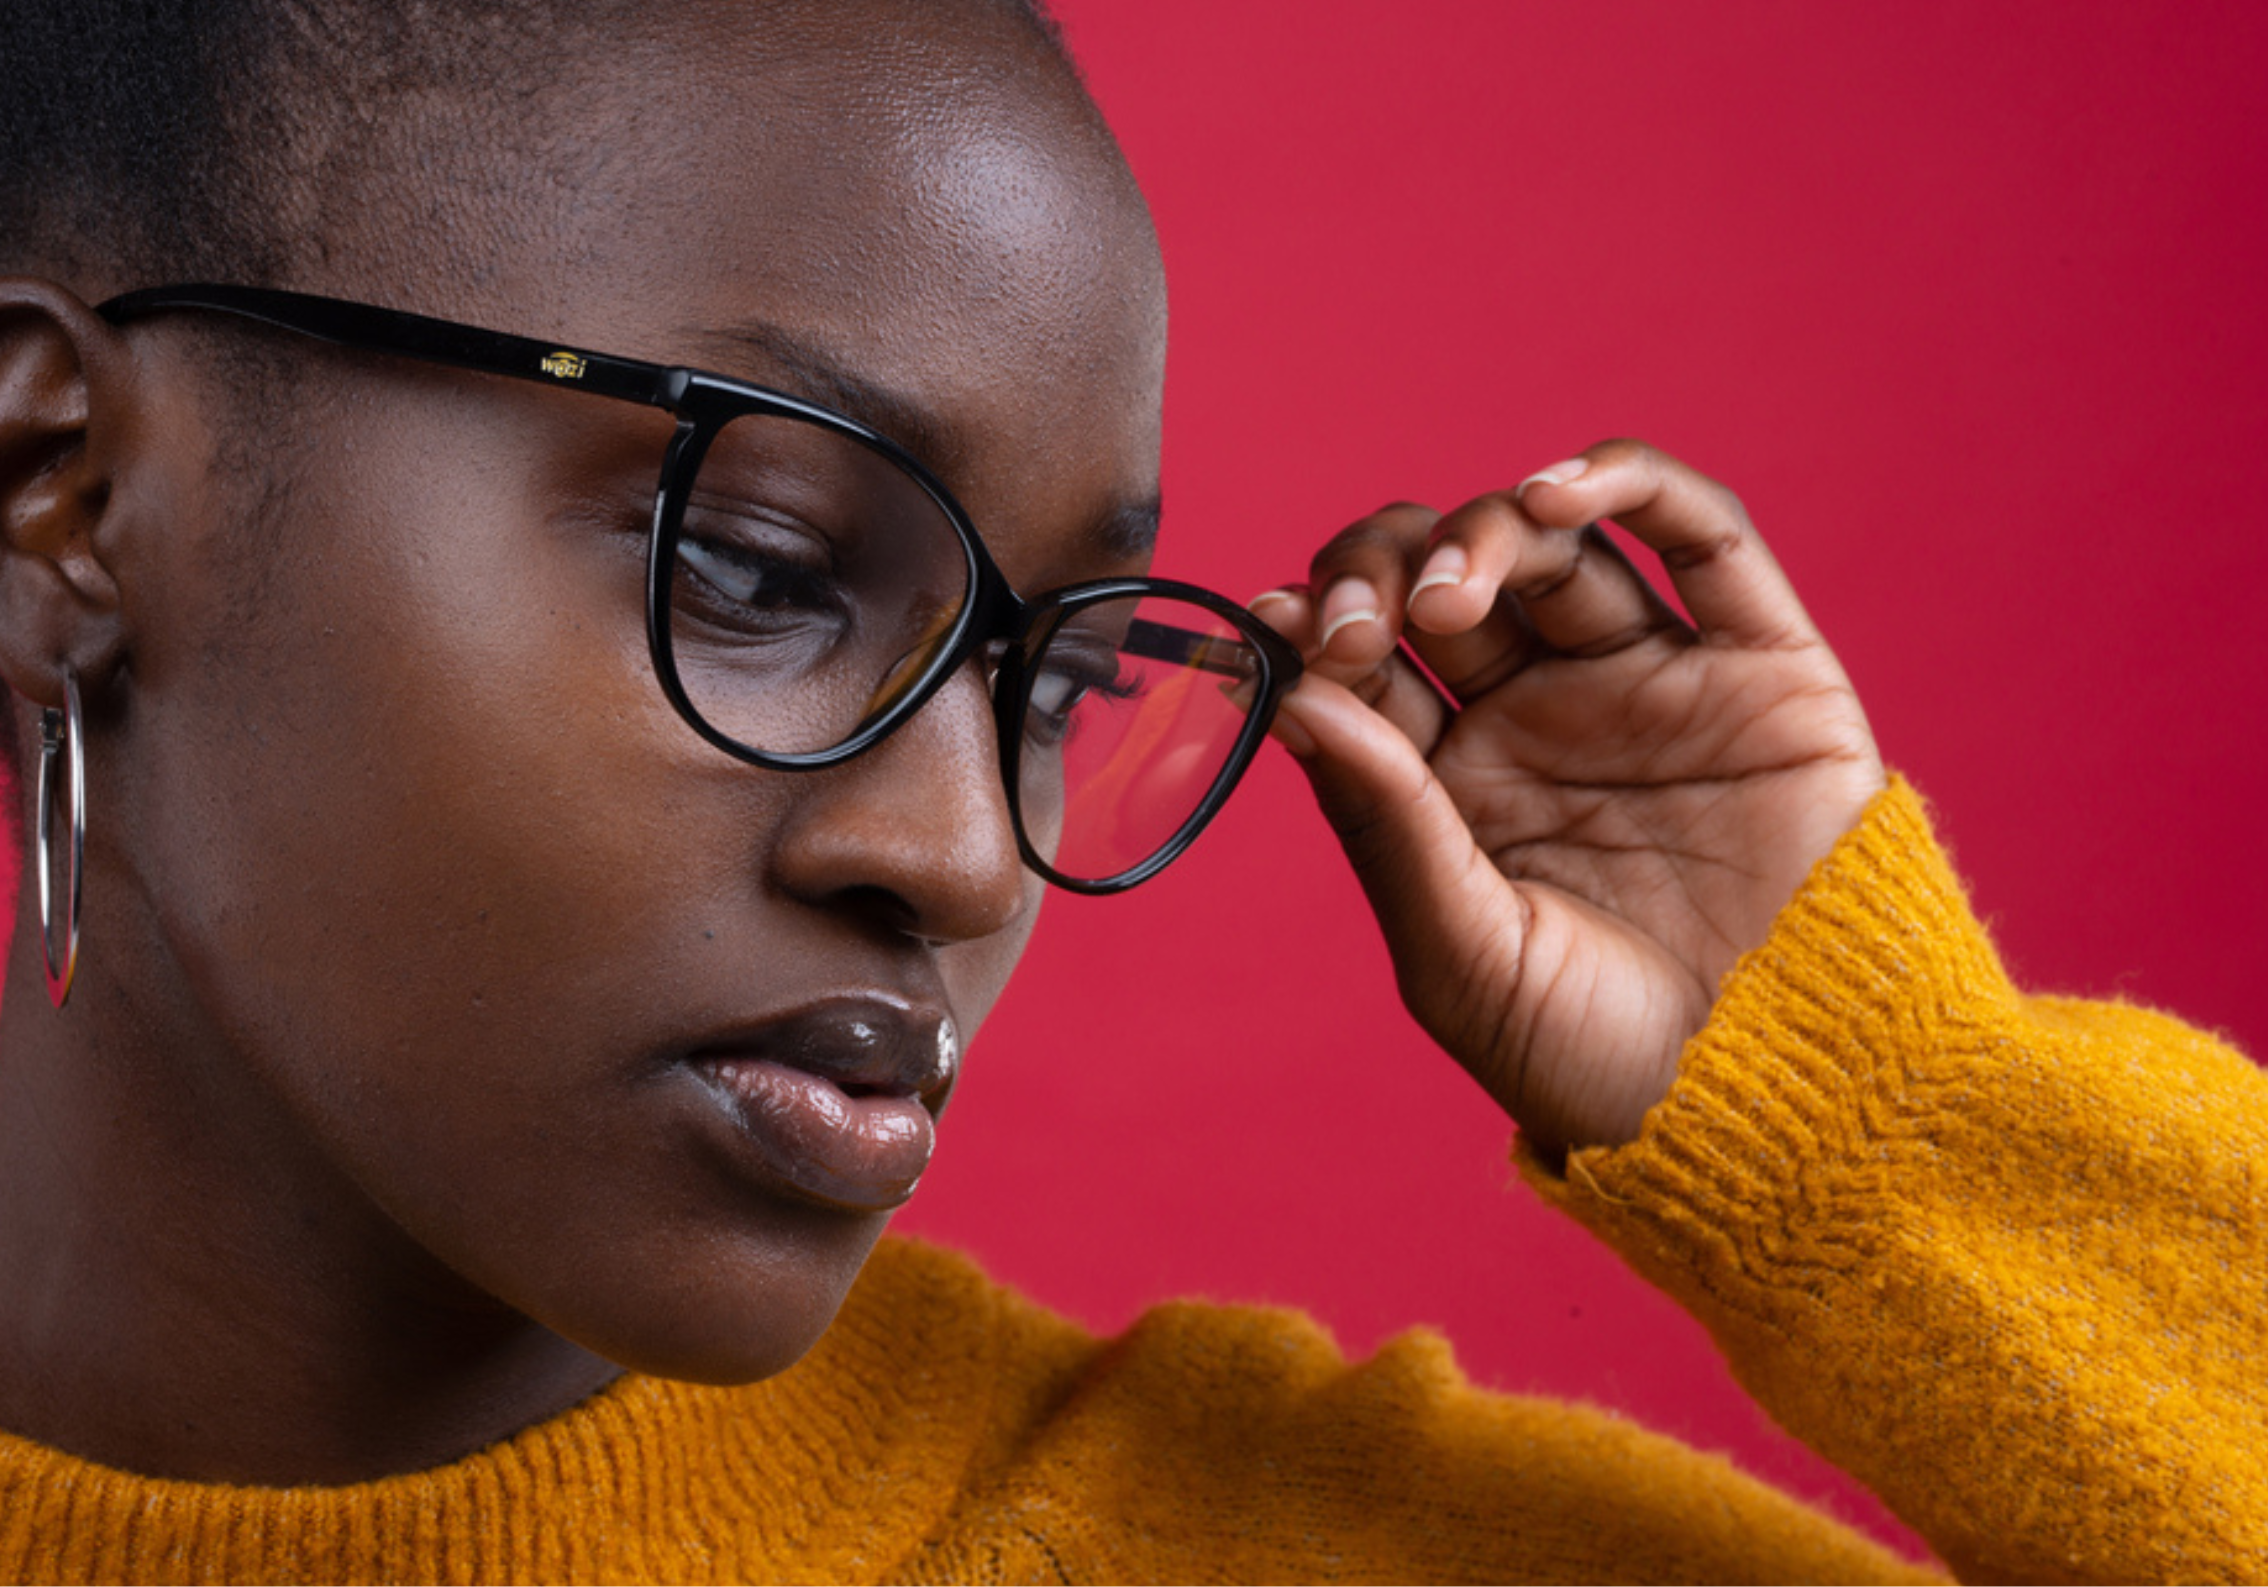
(814, 581)
(1135, 710)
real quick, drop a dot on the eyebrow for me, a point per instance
(1126, 532)
(820, 376)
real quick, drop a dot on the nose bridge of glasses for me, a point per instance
(822, 620)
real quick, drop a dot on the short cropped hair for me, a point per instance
(140, 139)
(132, 132)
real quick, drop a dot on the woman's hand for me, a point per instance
(1567, 866)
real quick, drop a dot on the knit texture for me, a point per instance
(2000, 1257)
(946, 1430)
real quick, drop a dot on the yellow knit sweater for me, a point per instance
(2000, 1257)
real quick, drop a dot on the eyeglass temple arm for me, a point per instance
(371, 329)
(1231, 658)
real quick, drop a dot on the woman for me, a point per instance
(494, 977)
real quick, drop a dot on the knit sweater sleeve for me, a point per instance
(2000, 1257)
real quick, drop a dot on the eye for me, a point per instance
(1066, 678)
(1056, 693)
(752, 577)
(750, 569)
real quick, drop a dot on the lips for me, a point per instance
(838, 1101)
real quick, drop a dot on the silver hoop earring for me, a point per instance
(62, 737)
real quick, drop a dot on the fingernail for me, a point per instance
(1265, 597)
(1445, 569)
(1558, 474)
(1350, 601)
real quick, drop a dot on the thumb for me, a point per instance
(1437, 897)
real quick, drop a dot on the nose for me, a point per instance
(916, 831)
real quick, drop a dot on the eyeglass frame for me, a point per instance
(704, 403)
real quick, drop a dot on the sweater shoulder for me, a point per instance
(1239, 1442)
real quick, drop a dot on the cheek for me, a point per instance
(449, 884)
(443, 884)
(435, 733)
(419, 835)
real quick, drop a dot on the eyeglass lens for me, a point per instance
(815, 582)
(1134, 708)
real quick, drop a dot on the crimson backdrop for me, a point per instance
(1965, 299)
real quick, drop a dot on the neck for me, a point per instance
(187, 1290)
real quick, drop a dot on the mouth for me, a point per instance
(838, 1102)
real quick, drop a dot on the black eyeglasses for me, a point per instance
(810, 584)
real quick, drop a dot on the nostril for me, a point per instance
(883, 905)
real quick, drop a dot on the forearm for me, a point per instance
(1999, 1257)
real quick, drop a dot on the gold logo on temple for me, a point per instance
(565, 366)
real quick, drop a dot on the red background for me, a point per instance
(1964, 299)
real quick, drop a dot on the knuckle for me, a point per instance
(1730, 504)
(1404, 509)
(1715, 543)
(1548, 581)
(1362, 827)
(1624, 451)
(1496, 513)
(1375, 541)
(1367, 537)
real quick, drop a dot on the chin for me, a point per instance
(743, 1316)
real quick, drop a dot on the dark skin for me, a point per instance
(357, 1147)
(1567, 868)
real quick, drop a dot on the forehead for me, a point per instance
(916, 192)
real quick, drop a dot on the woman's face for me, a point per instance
(459, 931)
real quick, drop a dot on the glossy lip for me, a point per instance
(837, 1100)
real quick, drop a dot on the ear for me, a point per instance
(67, 424)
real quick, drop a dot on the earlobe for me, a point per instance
(65, 421)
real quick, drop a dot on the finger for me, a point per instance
(1570, 590)
(1717, 562)
(1466, 628)
(1290, 611)
(1393, 688)
(1470, 663)
(1410, 847)
(1362, 577)
(1584, 597)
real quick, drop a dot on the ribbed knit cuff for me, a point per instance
(1765, 1171)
